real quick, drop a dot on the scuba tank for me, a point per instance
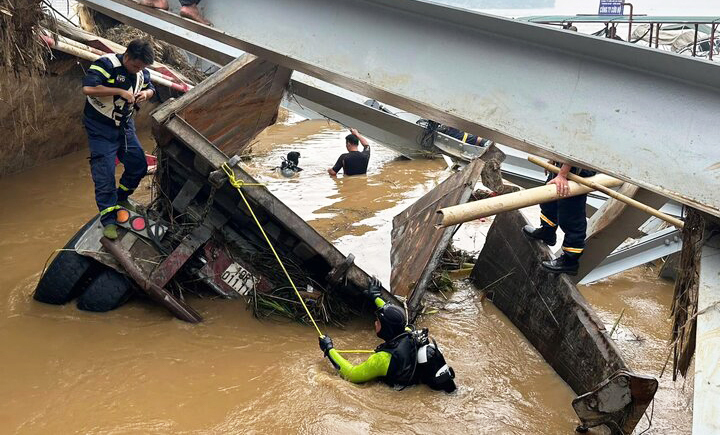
(432, 368)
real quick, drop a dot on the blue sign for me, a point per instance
(610, 7)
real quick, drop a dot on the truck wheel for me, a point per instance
(107, 291)
(66, 276)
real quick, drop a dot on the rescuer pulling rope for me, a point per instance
(407, 357)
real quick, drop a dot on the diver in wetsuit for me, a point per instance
(406, 357)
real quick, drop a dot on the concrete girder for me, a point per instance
(643, 250)
(578, 98)
(706, 403)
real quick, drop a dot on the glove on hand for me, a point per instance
(325, 344)
(373, 290)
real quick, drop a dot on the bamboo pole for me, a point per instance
(92, 55)
(512, 201)
(619, 196)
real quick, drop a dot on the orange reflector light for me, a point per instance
(122, 216)
(138, 223)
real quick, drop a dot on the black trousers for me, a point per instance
(569, 215)
(189, 2)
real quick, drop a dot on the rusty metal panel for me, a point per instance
(235, 104)
(416, 244)
(232, 113)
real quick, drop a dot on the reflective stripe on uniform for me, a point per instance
(109, 209)
(465, 136)
(113, 60)
(123, 188)
(547, 221)
(101, 70)
(573, 250)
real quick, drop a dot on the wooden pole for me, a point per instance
(512, 201)
(619, 196)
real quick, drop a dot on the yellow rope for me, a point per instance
(355, 351)
(238, 184)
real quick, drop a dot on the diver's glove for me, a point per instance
(325, 344)
(374, 290)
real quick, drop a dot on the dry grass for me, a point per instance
(20, 49)
(22, 61)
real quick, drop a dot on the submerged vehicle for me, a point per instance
(210, 228)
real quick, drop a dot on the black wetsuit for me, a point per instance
(354, 162)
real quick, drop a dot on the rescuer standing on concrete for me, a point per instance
(188, 9)
(114, 85)
(407, 357)
(569, 214)
(353, 162)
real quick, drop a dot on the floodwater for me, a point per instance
(136, 370)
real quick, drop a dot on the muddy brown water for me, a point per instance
(136, 370)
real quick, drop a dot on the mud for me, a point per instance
(137, 371)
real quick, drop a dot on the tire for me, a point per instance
(67, 275)
(109, 290)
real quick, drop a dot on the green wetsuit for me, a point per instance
(376, 366)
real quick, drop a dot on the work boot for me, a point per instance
(126, 204)
(193, 13)
(157, 4)
(544, 233)
(110, 231)
(562, 264)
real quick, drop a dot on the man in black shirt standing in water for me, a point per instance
(353, 162)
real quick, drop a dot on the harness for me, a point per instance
(113, 107)
(403, 364)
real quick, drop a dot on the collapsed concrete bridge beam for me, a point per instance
(514, 75)
(560, 324)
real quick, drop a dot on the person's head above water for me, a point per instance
(293, 156)
(390, 322)
(351, 142)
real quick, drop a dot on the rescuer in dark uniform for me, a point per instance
(114, 85)
(353, 162)
(569, 214)
(463, 136)
(407, 357)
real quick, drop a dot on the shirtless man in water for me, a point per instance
(189, 9)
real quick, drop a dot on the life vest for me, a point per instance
(114, 107)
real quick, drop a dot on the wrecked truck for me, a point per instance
(198, 235)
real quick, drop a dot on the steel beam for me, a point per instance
(393, 132)
(559, 94)
(614, 223)
(706, 402)
(643, 250)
